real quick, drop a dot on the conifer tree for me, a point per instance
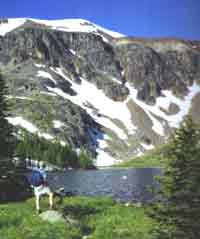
(178, 213)
(6, 137)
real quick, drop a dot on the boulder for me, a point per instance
(52, 216)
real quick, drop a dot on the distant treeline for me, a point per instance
(38, 148)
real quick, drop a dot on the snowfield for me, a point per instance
(66, 25)
(105, 111)
(164, 102)
(76, 25)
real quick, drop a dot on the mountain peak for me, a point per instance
(67, 25)
(73, 81)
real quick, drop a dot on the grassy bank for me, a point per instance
(95, 218)
(153, 159)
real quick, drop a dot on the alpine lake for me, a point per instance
(123, 185)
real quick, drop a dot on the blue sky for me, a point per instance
(140, 18)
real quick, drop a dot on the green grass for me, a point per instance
(151, 159)
(96, 218)
(19, 221)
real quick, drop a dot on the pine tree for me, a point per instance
(6, 137)
(178, 213)
(85, 159)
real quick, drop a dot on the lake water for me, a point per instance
(125, 185)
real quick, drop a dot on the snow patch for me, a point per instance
(63, 143)
(19, 97)
(46, 75)
(47, 93)
(46, 136)
(39, 65)
(11, 25)
(58, 124)
(147, 146)
(116, 80)
(102, 143)
(23, 123)
(28, 126)
(104, 159)
(72, 51)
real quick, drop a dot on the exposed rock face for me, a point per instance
(124, 91)
(92, 60)
(152, 67)
(143, 68)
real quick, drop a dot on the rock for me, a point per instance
(172, 110)
(52, 216)
(55, 216)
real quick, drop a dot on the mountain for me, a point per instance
(86, 86)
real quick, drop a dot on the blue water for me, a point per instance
(125, 185)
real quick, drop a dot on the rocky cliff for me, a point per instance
(89, 87)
